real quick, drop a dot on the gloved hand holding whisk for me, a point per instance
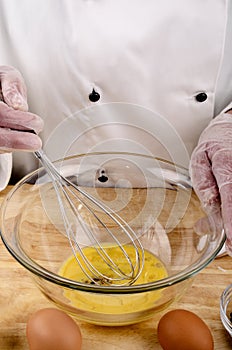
(211, 171)
(14, 114)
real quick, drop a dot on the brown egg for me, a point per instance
(183, 330)
(53, 329)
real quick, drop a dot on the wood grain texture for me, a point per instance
(19, 298)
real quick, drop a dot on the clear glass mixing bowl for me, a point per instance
(153, 196)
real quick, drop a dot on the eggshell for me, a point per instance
(53, 329)
(184, 330)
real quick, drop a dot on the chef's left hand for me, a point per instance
(15, 120)
(211, 172)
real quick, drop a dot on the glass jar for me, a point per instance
(226, 309)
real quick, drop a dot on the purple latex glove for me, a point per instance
(14, 114)
(211, 172)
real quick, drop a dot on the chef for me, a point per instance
(147, 76)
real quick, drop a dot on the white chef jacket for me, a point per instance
(161, 70)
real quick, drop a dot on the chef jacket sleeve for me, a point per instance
(227, 108)
(5, 169)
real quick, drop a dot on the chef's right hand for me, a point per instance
(14, 116)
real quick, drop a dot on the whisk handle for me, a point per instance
(46, 162)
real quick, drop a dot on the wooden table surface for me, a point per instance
(19, 298)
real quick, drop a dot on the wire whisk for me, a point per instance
(97, 218)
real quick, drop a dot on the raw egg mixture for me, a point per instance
(153, 270)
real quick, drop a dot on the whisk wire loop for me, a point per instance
(65, 188)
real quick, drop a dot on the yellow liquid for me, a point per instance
(153, 270)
